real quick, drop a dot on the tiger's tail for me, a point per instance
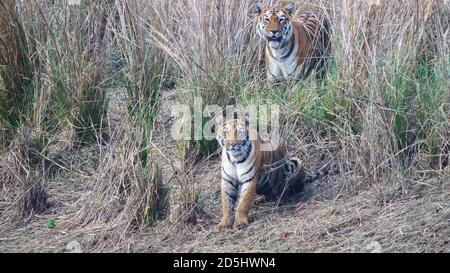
(322, 172)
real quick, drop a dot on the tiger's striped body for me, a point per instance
(247, 169)
(294, 47)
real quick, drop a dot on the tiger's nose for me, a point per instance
(234, 143)
(274, 32)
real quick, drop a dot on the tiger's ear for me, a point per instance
(257, 8)
(290, 8)
(219, 123)
(247, 119)
(219, 119)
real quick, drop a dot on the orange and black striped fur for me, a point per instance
(247, 169)
(295, 46)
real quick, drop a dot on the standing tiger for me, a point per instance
(248, 169)
(294, 46)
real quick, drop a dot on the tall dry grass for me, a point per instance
(53, 76)
(16, 71)
(383, 107)
(129, 192)
(22, 100)
(77, 56)
(392, 60)
(214, 47)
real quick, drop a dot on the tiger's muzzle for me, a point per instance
(274, 38)
(237, 149)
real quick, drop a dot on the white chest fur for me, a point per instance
(242, 171)
(281, 66)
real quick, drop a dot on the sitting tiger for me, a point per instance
(294, 45)
(247, 169)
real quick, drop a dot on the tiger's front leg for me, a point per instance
(229, 193)
(247, 195)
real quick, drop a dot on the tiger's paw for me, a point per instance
(259, 199)
(224, 224)
(241, 222)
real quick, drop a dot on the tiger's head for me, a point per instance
(274, 23)
(233, 135)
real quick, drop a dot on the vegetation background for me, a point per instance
(87, 161)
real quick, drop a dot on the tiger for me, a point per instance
(248, 170)
(295, 46)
